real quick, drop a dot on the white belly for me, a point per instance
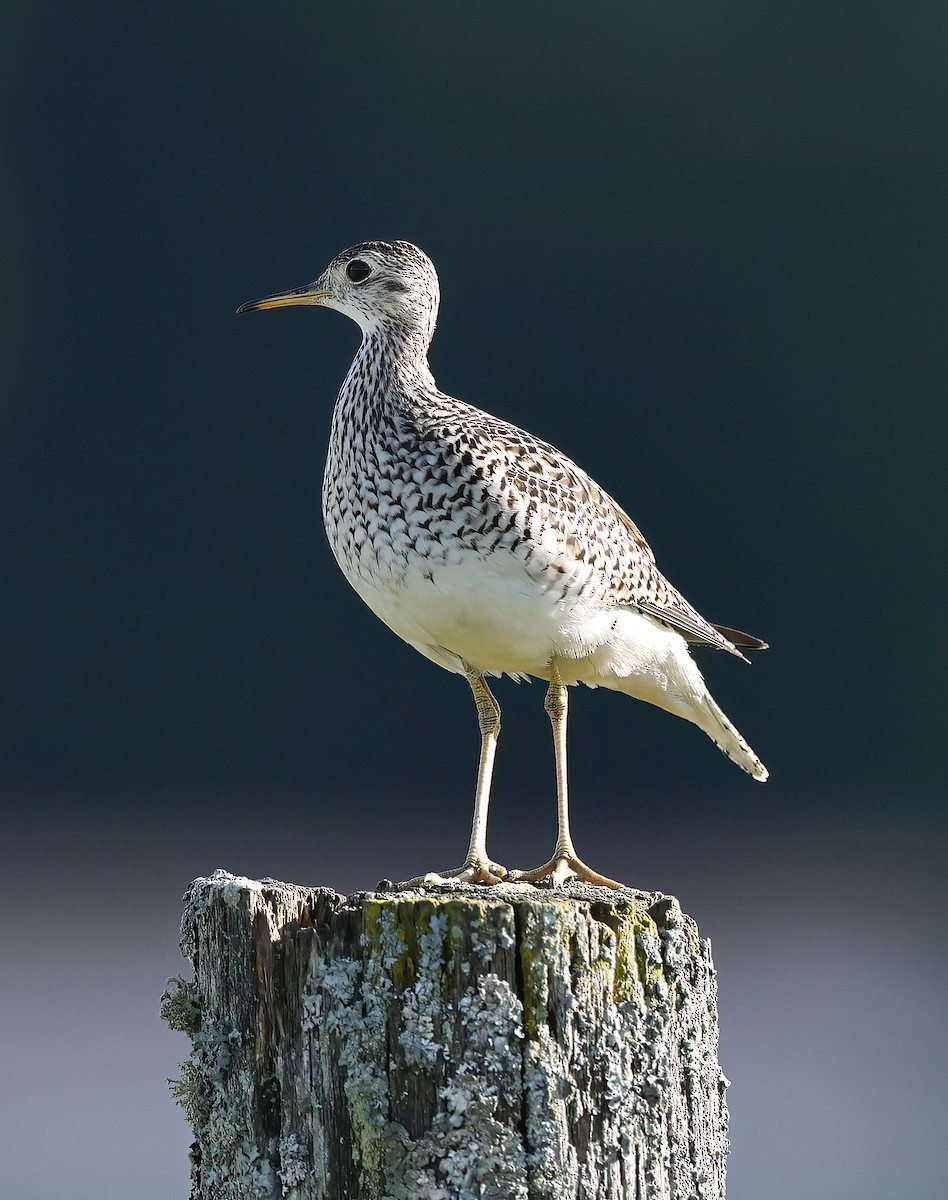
(494, 616)
(499, 621)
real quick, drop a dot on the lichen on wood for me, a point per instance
(451, 1043)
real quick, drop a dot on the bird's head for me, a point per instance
(378, 284)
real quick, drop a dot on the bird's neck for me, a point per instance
(389, 375)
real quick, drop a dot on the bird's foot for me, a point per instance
(563, 866)
(476, 870)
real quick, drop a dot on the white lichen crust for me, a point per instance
(450, 1044)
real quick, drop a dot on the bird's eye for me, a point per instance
(358, 270)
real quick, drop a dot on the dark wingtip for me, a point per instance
(746, 641)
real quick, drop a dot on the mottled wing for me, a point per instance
(592, 523)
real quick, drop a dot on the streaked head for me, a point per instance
(377, 284)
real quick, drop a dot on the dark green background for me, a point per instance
(699, 246)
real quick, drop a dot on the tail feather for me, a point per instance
(727, 738)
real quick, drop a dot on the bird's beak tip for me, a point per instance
(304, 295)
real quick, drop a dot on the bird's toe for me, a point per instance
(561, 868)
(482, 871)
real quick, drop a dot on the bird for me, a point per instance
(488, 550)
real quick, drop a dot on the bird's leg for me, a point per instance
(488, 719)
(565, 863)
(477, 867)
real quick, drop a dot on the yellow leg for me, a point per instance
(565, 863)
(477, 867)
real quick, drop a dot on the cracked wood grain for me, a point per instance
(458, 1043)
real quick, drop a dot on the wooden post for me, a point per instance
(452, 1043)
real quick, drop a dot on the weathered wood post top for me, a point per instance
(451, 1043)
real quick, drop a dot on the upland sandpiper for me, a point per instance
(487, 549)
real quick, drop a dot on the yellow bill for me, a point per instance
(303, 295)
